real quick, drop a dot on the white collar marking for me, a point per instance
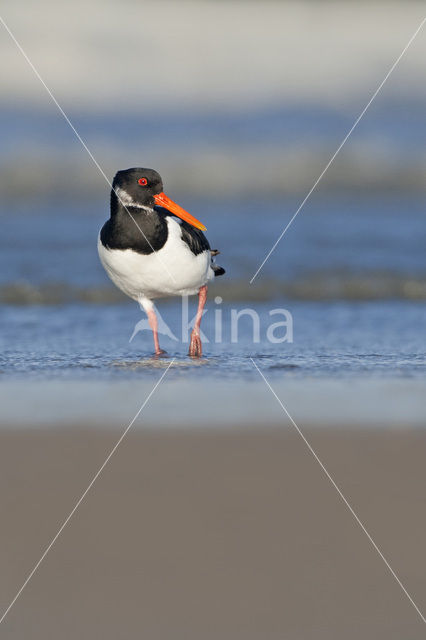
(127, 201)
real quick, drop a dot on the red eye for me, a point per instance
(143, 182)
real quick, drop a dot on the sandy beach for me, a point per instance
(215, 534)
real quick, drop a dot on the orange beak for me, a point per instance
(164, 201)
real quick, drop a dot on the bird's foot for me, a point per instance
(160, 353)
(195, 348)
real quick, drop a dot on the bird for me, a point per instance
(152, 248)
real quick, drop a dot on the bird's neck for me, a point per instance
(121, 201)
(143, 230)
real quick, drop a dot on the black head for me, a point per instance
(137, 186)
(144, 188)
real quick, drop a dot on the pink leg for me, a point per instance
(153, 323)
(195, 348)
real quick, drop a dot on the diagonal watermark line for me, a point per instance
(80, 139)
(84, 494)
(327, 166)
(339, 491)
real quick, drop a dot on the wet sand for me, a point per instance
(213, 535)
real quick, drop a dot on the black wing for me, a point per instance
(194, 238)
(196, 241)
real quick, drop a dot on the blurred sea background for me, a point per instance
(239, 106)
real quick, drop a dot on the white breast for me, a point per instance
(173, 270)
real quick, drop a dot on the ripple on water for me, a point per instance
(158, 363)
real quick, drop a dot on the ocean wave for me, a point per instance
(318, 287)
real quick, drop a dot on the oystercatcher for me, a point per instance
(148, 254)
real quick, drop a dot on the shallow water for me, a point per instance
(340, 339)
